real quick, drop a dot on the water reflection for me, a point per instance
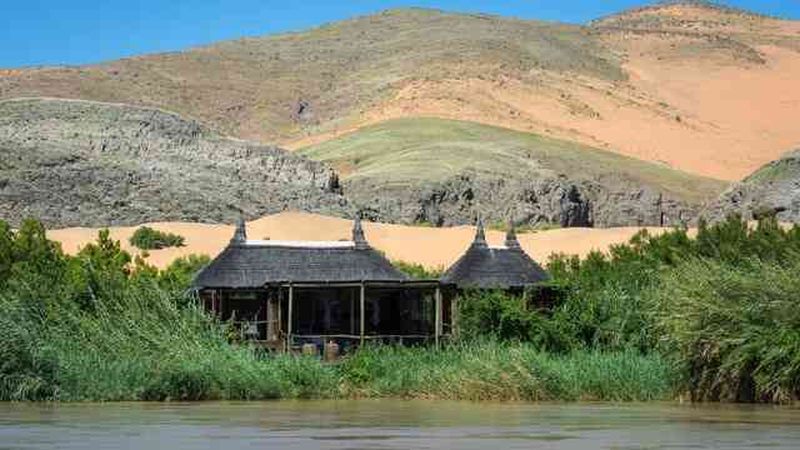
(392, 424)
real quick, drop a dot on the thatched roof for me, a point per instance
(253, 264)
(486, 267)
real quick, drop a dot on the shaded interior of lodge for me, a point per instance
(286, 294)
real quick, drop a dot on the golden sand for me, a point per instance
(432, 247)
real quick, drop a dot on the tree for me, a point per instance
(178, 276)
(31, 245)
(106, 255)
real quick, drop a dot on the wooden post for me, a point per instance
(279, 314)
(289, 320)
(352, 311)
(438, 324)
(454, 317)
(269, 317)
(267, 323)
(363, 311)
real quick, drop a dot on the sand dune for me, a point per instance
(432, 247)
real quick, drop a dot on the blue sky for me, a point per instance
(44, 32)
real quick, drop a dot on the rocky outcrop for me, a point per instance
(773, 189)
(538, 198)
(74, 163)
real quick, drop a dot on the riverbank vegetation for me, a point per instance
(715, 316)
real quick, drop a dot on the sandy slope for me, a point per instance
(433, 247)
(708, 91)
(703, 116)
(739, 117)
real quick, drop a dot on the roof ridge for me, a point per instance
(299, 243)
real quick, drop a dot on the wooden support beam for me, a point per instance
(289, 319)
(376, 284)
(269, 315)
(454, 317)
(438, 324)
(352, 311)
(279, 316)
(363, 311)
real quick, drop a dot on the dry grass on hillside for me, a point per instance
(420, 150)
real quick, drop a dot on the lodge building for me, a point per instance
(283, 294)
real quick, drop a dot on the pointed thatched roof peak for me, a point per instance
(240, 235)
(359, 239)
(490, 267)
(511, 237)
(480, 235)
(250, 264)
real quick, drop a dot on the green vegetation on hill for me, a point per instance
(417, 150)
(716, 316)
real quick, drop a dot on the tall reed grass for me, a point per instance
(734, 331)
(140, 345)
(489, 370)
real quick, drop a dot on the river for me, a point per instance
(392, 424)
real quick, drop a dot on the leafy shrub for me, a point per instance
(494, 314)
(146, 238)
(510, 318)
(179, 274)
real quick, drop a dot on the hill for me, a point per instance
(726, 76)
(703, 89)
(280, 87)
(773, 189)
(697, 17)
(85, 163)
(444, 172)
(80, 163)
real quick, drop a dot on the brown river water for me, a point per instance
(391, 424)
